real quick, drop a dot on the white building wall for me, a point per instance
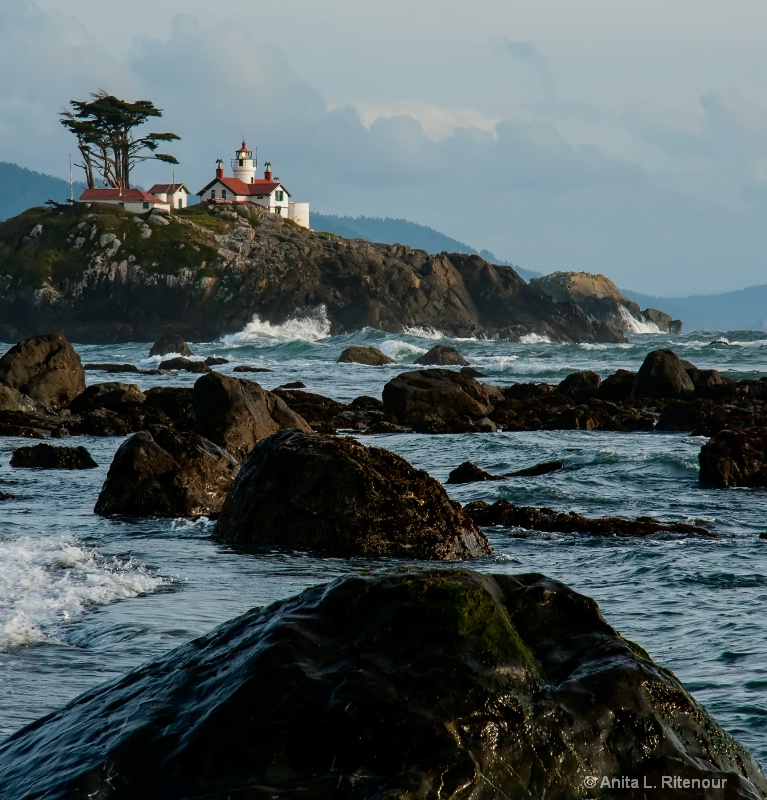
(299, 213)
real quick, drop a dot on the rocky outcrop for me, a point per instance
(46, 456)
(185, 364)
(502, 512)
(664, 322)
(114, 396)
(236, 413)
(469, 472)
(14, 400)
(371, 356)
(601, 298)
(214, 269)
(439, 400)
(448, 684)
(442, 355)
(166, 474)
(735, 458)
(662, 374)
(170, 343)
(45, 368)
(337, 496)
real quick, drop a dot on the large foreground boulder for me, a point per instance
(168, 474)
(236, 413)
(735, 458)
(441, 684)
(335, 495)
(45, 368)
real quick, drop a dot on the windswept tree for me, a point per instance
(105, 128)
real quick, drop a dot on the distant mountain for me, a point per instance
(745, 309)
(401, 231)
(23, 189)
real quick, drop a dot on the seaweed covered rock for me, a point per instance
(335, 495)
(735, 458)
(46, 456)
(502, 512)
(45, 368)
(166, 474)
(236, 413)
(436, 684)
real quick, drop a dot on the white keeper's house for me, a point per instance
(245, 187)
(133, 200)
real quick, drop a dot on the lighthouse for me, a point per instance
(243, 165)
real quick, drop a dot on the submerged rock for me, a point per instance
(437, 684)
(502, 512)
(184, 364)
(46, 456)
(469, 472)
(45, 368)
(166, 474)
(371, 356)
(335, 495)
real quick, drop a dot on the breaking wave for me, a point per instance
(308, 329)
(52, 580)
(424, 333)
(632, 325)
(534, 338)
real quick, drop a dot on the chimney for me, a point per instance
(268, 171)
(220, 168)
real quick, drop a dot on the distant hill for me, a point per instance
(745, 309)
(23, 189)
(400, 231)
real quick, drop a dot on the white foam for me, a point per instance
(632, 325)
(534, 338)
(46, 581)
(401, 350)
(308, 329)
(424, 333)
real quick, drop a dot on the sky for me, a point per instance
(628, 139)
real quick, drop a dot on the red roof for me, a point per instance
(120, 196)
(258, 188)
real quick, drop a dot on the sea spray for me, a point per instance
(310, 329)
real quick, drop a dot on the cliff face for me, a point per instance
(101, 274)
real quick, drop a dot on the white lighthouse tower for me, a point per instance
(243, 165)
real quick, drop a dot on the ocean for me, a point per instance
(83, 599)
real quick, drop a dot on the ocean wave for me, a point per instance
(424, 333)
(311, 328)
(51, 580)
(633, 325)
(534, 338)
(400, 350)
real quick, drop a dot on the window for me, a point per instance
(223, 194)
(180, 202)
(242, 162)
(146, 204)
(212, 194)
(277, 210)
(279, 196)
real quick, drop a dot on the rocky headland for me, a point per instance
(101, 274)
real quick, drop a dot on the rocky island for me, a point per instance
(98, 273)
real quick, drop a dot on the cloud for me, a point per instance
(527, 54)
